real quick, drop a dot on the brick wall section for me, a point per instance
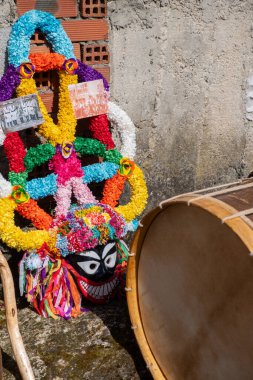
(86, 30)
(85, 23)
(94, 8)
(62, 8)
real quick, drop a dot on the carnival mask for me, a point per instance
(96, 275)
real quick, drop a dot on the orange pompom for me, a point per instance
(46, 61)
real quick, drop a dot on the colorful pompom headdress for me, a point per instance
(76, 249)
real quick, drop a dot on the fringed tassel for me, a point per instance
(50, 288)
(121, 268)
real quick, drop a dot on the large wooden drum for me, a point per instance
(190, 285)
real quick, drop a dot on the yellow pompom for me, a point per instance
(139, 196)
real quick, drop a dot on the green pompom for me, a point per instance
(38, 155)
(113, 155)
(18, 178)
(87, 146)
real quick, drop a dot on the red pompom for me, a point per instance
(99, 126)
(15, 152)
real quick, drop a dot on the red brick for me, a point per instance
(43, 80)
(47, 99)
(86, 30)
(94, 8)
(39, 48)
(37, 38)
(77, 51)
(64, 8)
(45, 49)
(105, 71)
(95, 54)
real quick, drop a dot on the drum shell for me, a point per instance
(239, 226)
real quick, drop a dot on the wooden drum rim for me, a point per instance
(240, 226)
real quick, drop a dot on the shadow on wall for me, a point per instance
(47, 5)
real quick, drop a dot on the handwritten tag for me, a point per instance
(89, 98)
(20, 113)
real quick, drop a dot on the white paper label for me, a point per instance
(89, 98)
(20, 113)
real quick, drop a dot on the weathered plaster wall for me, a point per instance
(180, 69)
(7, 16)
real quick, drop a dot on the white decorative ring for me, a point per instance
(123, 130)
(5, 187)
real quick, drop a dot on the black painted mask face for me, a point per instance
(96, 264)
(98, 271)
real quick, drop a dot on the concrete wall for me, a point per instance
(7, 16)
(180, 69)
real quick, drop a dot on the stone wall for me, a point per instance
(180, 69)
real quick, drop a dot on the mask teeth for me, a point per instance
(100, 291)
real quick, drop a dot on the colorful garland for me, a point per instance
(87, 146)
(139, 196)
(86, 227)
(86, 74)
(5, 187)
(42, 187)
(55, 134)
(99, 127)
(18, 178)
(47, 278)
(8, 83)
(25, 27)
(13, 236)
(46, 61)
(38, 156)
(15, 152)
(31, 211)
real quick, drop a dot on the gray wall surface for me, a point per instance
(180, 70)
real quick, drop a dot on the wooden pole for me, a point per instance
(12, 321)
(1, 365)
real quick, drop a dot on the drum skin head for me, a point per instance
(195, 295)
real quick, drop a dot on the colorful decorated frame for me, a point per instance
(43, 269)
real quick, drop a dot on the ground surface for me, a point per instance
(98, 345)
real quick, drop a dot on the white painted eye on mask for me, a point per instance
(109, 247)
(90, 267)
(110, 260)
